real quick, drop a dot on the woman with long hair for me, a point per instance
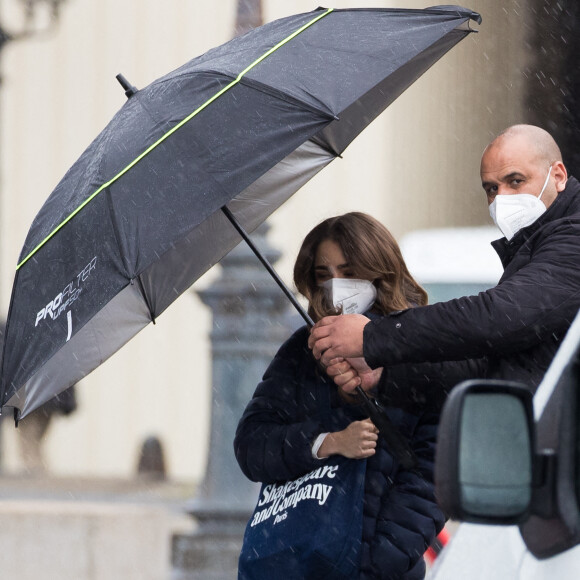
(349, 263)
(371, 252)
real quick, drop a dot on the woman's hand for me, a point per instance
(351, 373)
(357, 441)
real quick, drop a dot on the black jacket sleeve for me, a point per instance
(274, 437)
(538, 299)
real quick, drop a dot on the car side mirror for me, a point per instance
(484, 468)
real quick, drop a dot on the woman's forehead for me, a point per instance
(329, 252)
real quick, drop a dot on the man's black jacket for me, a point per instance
(511, 331)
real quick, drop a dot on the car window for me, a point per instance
(441, 292)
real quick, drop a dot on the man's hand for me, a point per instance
(338, 336)
(357, 441)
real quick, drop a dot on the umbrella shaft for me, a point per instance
(268, 266)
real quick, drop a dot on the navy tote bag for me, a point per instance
(308, 528)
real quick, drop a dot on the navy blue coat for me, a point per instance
(273, 443)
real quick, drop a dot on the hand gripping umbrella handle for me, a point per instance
(396, 443)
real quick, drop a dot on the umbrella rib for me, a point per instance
(173, 130)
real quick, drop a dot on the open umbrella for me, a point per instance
(228, 137)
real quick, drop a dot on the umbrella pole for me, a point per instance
(268, 266)
(396, 442)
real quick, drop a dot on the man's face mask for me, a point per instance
(511, 213)
(352, 295)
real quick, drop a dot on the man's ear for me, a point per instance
(560, 175)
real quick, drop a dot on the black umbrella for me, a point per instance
(142, 213)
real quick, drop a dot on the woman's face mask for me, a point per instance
(351, 295)
(511, 213)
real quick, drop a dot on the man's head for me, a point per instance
(518, 160)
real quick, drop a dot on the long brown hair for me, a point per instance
(372, 253)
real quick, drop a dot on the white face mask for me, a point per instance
(511, 213)
(354, 296)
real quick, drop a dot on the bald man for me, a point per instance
(514, 329)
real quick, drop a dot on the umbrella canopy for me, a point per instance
(136, 220)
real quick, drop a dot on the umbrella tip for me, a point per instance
(130, 90)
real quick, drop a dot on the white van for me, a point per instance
(507, 465)
(506, 459)
(452, 262)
